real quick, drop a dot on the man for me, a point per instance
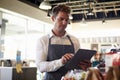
(57, 48)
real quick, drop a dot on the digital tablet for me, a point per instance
(81, 55)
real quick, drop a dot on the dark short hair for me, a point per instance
(60, 8)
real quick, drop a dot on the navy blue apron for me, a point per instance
(56, 51)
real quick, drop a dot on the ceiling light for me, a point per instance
(45, 5)
(90, 12)
(103, 21)
(70, 16)
(83, 22)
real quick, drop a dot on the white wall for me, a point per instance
(96, 28)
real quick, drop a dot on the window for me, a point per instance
(21, 34)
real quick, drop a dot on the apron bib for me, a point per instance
(56, 51)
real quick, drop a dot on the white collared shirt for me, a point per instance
(42, 51)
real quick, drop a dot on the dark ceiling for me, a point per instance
(101, 9)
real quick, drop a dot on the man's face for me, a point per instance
(61, 21)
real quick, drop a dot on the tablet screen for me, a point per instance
(82, 54)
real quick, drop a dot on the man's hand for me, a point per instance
(67, 57)
(85, 64)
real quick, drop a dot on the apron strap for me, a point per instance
(71, 42)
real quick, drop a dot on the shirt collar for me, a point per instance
(53, 35)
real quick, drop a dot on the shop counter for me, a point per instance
(9, 73)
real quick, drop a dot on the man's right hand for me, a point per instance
(67, 57)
